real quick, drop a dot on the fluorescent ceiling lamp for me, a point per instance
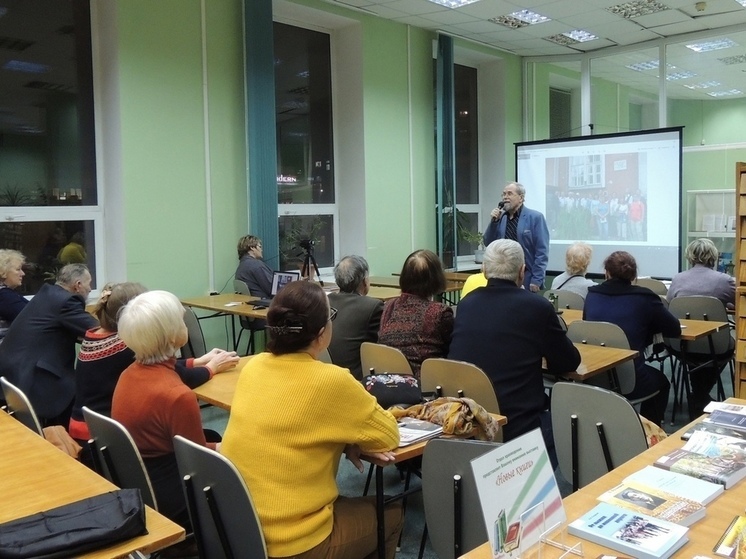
(707, 46)
(727, 93)
(742, 2)
(737, 59)
(532, 17)
(27, 67)
(701, 85)
(642, 66)
(508, 21)
(453, 3)
(580, 36)
(680, 75)
(637, 8)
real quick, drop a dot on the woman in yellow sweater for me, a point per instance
(291, 419)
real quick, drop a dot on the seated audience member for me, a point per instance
(251, 268)
(358, 316)
(103, 356)
(577, 259)
(507, 331)
(474, 281)
(413, 322)
(151, 400)
(11, 278)
(701, 278)
(641, 314)
(74, 251)
(291, 419)
(38, 352)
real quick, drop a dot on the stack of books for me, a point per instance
(415, 430)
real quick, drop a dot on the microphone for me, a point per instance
(500, 207)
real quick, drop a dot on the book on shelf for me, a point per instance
(518, 494)
(639, 535)
(724, 470)
(728, 418)
(703, 492)
(413, 430)
(733, 542)
(654, 502)
(715, 428)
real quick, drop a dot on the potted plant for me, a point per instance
(474, 238)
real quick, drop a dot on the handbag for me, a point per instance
(73, 529)
(391, 389)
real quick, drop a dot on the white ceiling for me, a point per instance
(682, 17)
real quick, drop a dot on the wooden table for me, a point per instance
(703, 535)
(595, 359)
(35, 476)
(384, 281)
(219, 390)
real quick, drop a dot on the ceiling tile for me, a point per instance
(416, 7)
(451, 17)
(417, 21)
(661, 18)
(478, 27)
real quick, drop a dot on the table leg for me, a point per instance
(380, 514)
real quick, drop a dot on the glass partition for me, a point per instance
(555, 103)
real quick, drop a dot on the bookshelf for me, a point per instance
(740, 272)
(711, 214)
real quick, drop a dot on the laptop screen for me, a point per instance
(281, 279)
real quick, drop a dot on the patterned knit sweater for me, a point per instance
(290, 420)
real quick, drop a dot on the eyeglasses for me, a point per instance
(332, 313)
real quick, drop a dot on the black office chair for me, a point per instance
(250, 325)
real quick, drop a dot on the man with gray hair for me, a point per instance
(38, 353)
(506, 331)
(358, 316)
(511, 219)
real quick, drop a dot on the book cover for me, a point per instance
(703, 492)
(728, 418)
(716, 446)
(639, 535)
(725, 471)
(733, 542)
(708, 426)
(518, 494)
(654, 502)
(413, 430)
(725, 406)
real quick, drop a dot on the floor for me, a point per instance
(351, 482)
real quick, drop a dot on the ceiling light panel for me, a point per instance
(726, 93)
(717, 44)
(580, 35)
(509, 22)
(530, 17)
(680, 75)
(562, 39)
(637, 8)
(642, 66)
(453, 3)
(702, 85)
(738, 59)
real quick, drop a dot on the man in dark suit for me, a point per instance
(38, 353)
(506, 331)
(358, 316)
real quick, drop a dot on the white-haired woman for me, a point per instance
(577, 259)
(11, 277)
(150, 398)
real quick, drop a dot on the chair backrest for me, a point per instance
(566, 299)
(610, 335)
(591, 405)
(220, 507)
(702, 307)
(240, 286)
(656, 286)
(459, 378)
(384, 359)
(442, 459)
(116, 456)
(195, 346)
(19, 406)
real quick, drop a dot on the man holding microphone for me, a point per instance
(512, 220)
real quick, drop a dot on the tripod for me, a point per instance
(309, 261)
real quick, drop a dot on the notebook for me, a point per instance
(279, 280)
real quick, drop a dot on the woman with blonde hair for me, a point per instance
(577, 259)
(11, 278)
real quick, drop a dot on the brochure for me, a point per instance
(415, 430)
(654, 502)
(682, 485)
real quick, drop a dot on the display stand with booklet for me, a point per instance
(703, 492)
(639, 535)
(518, 495)
(413, 430)
(733, 542)
(709, 457)
(654, 502)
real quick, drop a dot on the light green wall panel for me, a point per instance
(512, 111)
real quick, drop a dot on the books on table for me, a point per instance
(728, 419)
(710, 427)
(725, 406)
(413, 430)
(654, 502)
(733, 542)
(709, 457)
(703, 492)
(518, 494)
(638, 535)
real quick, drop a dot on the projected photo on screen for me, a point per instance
(616, 192)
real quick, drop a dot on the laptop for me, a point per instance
(279, 280)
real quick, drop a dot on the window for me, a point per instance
(305, 152)
(48, 191)
(467, 154)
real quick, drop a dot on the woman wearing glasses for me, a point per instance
(291, 419)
